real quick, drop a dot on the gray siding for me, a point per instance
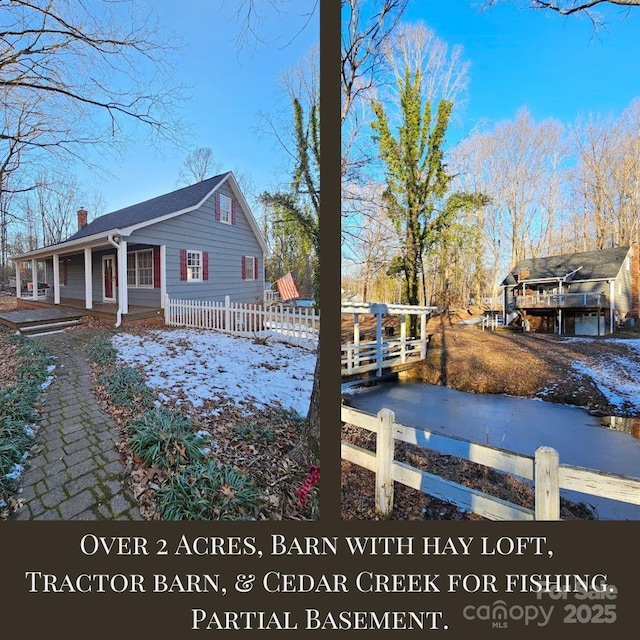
(225, 244)
(198, 230)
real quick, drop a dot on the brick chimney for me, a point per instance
(82, 218)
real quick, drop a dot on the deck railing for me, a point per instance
(562, 301)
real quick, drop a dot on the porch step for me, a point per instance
(52, 327)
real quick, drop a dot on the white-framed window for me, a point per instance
(225, 209)
(194, 266)
(140, 268)
(249, 268)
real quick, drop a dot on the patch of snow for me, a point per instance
(15, 472)
(617, 378)
(203, 365)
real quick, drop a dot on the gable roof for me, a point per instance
(125, 221)
(178, 200)
(604, 264)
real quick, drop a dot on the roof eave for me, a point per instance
(70, 244)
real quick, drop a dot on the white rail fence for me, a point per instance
(299, 326)
(373, 355)
(548, 475)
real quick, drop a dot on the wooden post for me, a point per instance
(379, 342)
(403, 338)
(88, 275)
(227, 313)
(56, 278)
(384, 463)
(356, 339)
(547, 484)
(34, 278)
(423, 336)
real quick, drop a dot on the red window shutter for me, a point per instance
(64, 272)
(183, 264)
(205, 265)
(244, 268)
(217, 207)
(156, 267)
(255, 268)
(233, 212)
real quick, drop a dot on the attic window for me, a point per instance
(225, 209)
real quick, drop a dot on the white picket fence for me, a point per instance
(545, 470)
(299, 326)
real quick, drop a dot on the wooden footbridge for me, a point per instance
(388, 352)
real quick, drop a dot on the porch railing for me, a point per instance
(562, 300)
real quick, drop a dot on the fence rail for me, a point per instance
(373, 355)
(298, 326)
(548, 475)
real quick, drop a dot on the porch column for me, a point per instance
(56, 279)
(123, 289)
(34, 278)
(18, 280)
(612, 305)
(163, 275)
(88, 275)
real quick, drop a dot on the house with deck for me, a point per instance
(200, 242)
(587, 293)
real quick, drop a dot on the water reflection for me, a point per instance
(628, 425)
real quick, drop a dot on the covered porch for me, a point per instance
(30, 317)
(106, 277)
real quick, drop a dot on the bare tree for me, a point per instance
(89, 68)
(199, 165)
(249, 16)
(516, 159)
(571, 7)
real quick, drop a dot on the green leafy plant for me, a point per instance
(252, 432)
(164, 439)
(101, 351)
(17, 409)
(126, 387)
(208, 492)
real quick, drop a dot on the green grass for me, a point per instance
(253, 433)
(165, 439)
(208, 492)
(17, 408)
(101, 351)
(126, 387)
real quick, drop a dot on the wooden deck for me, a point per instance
(31, 312)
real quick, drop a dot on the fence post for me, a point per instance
(547, 484)
(379, 342)
(166, 308)
(423, 336)
(227, 313)
(384, 463)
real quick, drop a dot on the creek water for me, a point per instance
(520, 425)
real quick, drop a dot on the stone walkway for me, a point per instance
(74, 471)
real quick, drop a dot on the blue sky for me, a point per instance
(555, 66)
(228, 90)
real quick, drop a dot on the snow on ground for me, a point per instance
(205, 365)
(617, 377)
